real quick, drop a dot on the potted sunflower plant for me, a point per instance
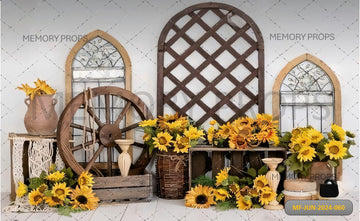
(313, 155)
(171, 136)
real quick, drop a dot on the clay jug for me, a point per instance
(41, 118)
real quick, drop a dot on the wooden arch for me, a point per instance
(79, 45)
(322, 65)
(225, 13)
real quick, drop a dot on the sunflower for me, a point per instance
(338, 132)
(21, 190)
(267, 134)
(335, 149)
(213, 122)
(56, 176)
(43, 88)
(243, 131)
(234, 188)
(225, 130)
(53, 201)
(244, 191)
(182, 144)
(253, 192)
(60, 190)
(243, 202)
(294, 147)
(222, 175)
(243, 121)
(306, 153)
(295, 133)
(193, 133)
(200, 197)
(42, 188)
(163, 140)
(177, 126)
(315, 135)
(266, 196)
(84, 198)
(86, 179)
(221, 194)
(303, 140)
(210, 134)
(168, 119)
(260, 182)
(253, 140)
(35, 197)
(237, 141)
(146, 137)
(148, 123)
(265, 120)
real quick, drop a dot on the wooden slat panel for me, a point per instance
(198, 159)
(118, 181)
(218, 162)
(237, 163)
(123, 193)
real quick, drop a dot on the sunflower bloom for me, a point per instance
(306, 153)
(315, 135)
(260, 182)
(84, 198)
(222, 175)
(213, 122)
(148, 123)
(221, 194)
(21, 190)
(338, 132)
(243, 121)
(237, 141)
(200, 197)
(266, 196)
(193, 133)
(86, 179)
(162, 121)
(303, 140)
(146, 137)
(53, 201)
(60, 190)
(210, 135)
(182, 144)
(56, 176)
(234, 188)
(335, 149)
(265, 121)
(42, 188)
(35, 197)
(225, 130)
(243, 202)
(162, 141)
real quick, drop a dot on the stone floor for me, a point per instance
(169, 210)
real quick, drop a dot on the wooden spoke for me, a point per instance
(107, 108)
(139, 144)
(78, 147)
(96, 154)
(81, 127)
(96, 119)
(109, 162)
(122, 114)
(132, 126)
(118, 149)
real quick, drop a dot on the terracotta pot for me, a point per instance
(319, 172)
(41, 118)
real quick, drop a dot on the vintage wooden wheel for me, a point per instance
(106, 132)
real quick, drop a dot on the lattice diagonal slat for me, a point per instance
(223, 15)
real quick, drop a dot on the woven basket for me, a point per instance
(172, 174)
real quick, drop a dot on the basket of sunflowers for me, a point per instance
(171, 136)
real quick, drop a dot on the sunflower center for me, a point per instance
(305, 152)
(297, 147)
(334, 149)
(240, 142)
(55, 199)
(181, 146)
(59, 192)
(81, 199)
(266, 195)
(259, 184)
(201, 199)
(37, 198)
(184, 140)
(162, 140)
(226, 131)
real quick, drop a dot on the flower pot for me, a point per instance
(172, 174)
(319, 172)
(41, 118)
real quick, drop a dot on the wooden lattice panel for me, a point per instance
(211, 64)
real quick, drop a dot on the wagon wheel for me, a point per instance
(106, 132)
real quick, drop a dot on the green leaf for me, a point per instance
(295, 165)
(348, 155)
(307, 166)
(321, 155)
(225, 182)
(151, 148)
(43, 175)
(263, 170)
(256, 206)
(351, 142)
(48, 193)
(243, 180)
(280, 197)
(193, 142)
(221, 206)
(286, 138)
(35, 182)
(67, 200)
(333, 163)
(233, 179)
(280, 168)
(249, 181)
(203, 180)
(148, 130)
(66, 210)
(252, 172)
(349, 134)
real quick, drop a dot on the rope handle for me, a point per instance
(91, 121)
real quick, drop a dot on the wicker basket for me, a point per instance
(172, 174)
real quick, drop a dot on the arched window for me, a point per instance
(307, 92)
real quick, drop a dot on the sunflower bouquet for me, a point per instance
(232, 192)
(243, 132)
(56, 189)
(171, 132)
(309, 145)
(41, 88)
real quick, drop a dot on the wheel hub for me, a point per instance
(108, 134)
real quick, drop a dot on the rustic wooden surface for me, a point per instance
(106, 133)
(218, 162)
(196, 12)
(337, 91)
(200, 158)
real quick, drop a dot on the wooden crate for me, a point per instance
(198, 159)
(118, 189)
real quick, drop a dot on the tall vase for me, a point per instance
(41, 118)
(273, 177)
(124, 160)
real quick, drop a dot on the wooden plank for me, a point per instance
(198, 159)
(118, 181)
(12, 193)
(123, 193)
(218, 162)
(236, 163)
